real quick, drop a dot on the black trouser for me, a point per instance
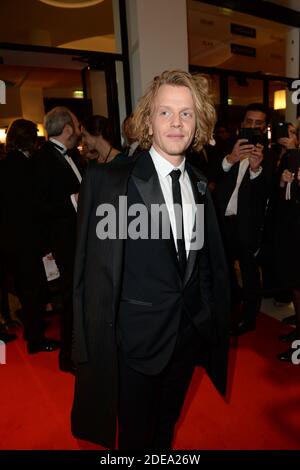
(29, 277)
(149, 406)
(65, 264)
(237, 251)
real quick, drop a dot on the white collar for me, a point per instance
(58, 144)
(25, 152)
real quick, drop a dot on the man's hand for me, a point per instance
(256, 157)
(240, 151)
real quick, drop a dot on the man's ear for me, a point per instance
(150, 125)
(68, 130)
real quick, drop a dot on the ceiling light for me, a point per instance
(2, 135)
(41, 131)
(78, 93)
(71, 3)
(279, 99)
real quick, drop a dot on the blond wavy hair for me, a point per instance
(204, 107)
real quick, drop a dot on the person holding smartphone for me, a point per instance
(241, 195)
(286, 230)
(287, 139)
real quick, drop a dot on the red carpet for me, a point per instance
(261, 411)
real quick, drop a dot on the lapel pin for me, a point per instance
(201, 186)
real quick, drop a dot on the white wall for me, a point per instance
(157, 31)
(32, 103)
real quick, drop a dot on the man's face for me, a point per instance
(255, 119)
(173, 121)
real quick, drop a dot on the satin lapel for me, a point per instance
(146, 180)
(199, 199)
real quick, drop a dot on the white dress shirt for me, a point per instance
(63, 149)
(232, 205)
(164, 168)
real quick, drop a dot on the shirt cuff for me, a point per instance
(226, 165)
(254, 175)
(73, 200)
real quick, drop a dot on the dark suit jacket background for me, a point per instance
(253, 194)
(18, 230)
(98, 286)
(55, 181)
(16, 201)
(20, 254)
(252, 200)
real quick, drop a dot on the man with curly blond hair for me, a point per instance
(150, 292)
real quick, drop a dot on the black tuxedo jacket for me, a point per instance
(55, 181)
(108, 306)
(18, 231)
(20, 251)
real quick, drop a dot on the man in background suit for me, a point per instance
(19, 253)
(242, 190)
(146, 307)
(58, 178)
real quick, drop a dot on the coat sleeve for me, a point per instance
(216, 365)
(85, 204)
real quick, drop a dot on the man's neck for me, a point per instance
(175, 160)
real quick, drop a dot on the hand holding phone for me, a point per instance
(241, 150)
(256, 157)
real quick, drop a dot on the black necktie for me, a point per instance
(175, 175)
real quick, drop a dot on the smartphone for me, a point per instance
(281, 130)
(253, 135)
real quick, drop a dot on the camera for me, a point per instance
(253, 135)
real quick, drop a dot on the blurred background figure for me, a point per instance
(131, 145)
(97, 140)
(57, 183)
(286, 229)
(284, 142)
(223, 138)
(241, 195)
(20, 255)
